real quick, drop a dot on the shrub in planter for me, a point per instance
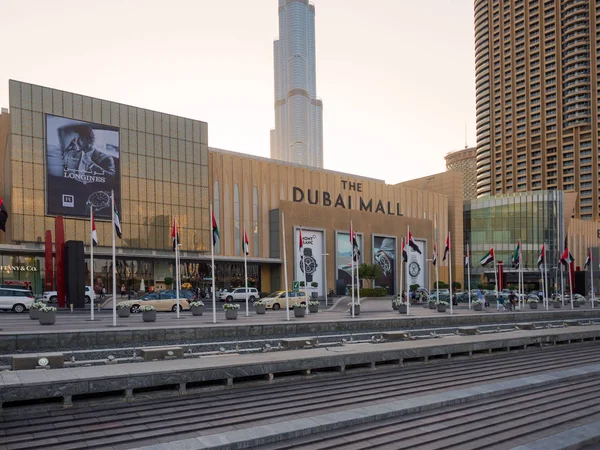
(197, 308)
(299, 309)
(148, 313)
(441, 306)
(260, 307)
(47, 315)
(400, 305)
(34, 310)
(356, 308)
(533, 303)
(123, 309)
(231, 310)
(313, 307)
(314, 284)
(477, 305)
(432, 304)
(556, 303)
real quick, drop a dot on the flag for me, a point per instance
(412, 244)
(175, 234)
(467, 257)
(404, 254)
(434, 254)
(542, 256)
(516, 258)
(94, 234)
(488, 258)
(354, 242)
(301, 245)
(215, 230)
(246, 246)
(117, 223)
(3, 216)
(566, 257)
(588, 260)
(447, 249)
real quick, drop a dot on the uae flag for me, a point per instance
(447, 249)
(542, 256)
(404, 254)
(412, 244)
(588, 260)
(215, 230)
(488, 258)
(175, 234)
(354, 242)
(300, 244)
(467, 258)
(434, 254)
(516, 258)
(246, 247)
(117, 223)
(566, 257)
(3, 216)
(94, 233)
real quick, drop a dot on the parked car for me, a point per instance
(444, 295)
(277, 299)
(162, 301)
(239, 295)
(17, 300)
(52, 296)
(183, 293)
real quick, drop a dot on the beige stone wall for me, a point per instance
(582, 234)
(6, 166)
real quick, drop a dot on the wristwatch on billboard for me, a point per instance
(414, 269)
(309, 262)
(384, 262)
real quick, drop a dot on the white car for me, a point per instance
(239, 294)
(17, 300)
(52, 296)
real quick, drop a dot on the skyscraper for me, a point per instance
(537, 98)
(298, 133)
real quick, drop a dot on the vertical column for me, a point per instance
(60, 262)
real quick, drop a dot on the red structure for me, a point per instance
(49, 262)
(60, 262)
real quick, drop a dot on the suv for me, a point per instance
(17, 300)
(52, 296)
(239, 294)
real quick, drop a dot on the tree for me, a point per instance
(414, 287)
(441, 285)
(369, 272)
(169, 281)
(456, 285)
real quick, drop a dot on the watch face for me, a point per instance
(311, 264)
(384, 262)
(99, 200)
(414, 269)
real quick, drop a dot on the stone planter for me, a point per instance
(197, 310)
(260, 309)
(556, 304)
(299, 312)
(356, 310)
(402, 309)
(124, 312)
(314, 295)
(533, 305)
(576, 304)
(432, 305)
(34, 313)
(395, 306)
(231, 314)
(47, 318)
(478, 307)
(441, 308)
(313, 309)
(149, 316)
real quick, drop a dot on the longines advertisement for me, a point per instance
(384, 255)
(343, 256)
(414, 269)
(311, 259)
(82, 163)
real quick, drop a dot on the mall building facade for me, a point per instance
(160, 166)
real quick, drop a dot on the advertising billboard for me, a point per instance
(82, 167)
(384, 255)
(415, 267)
(343, 256)
(312, 258)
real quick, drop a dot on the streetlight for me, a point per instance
(324, 255)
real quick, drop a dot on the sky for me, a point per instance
(396, 77)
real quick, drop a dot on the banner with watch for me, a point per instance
(415, 267)
(384, 255)
(343, 255)
(312, 259)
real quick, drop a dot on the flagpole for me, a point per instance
(570, 282)
(212, 258)
(495, 276)
(114, 261)
(401, 269)
(562, 283)
(521, 288)
(304, 276)
(469, 275)
(437, 263)
(406, 277)
(592, 275)
(246, 270)
(546, 279)
(177, 262)
(92, 261)
(287, 298)
(450, 269)
(352, 268)
(357, 277)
